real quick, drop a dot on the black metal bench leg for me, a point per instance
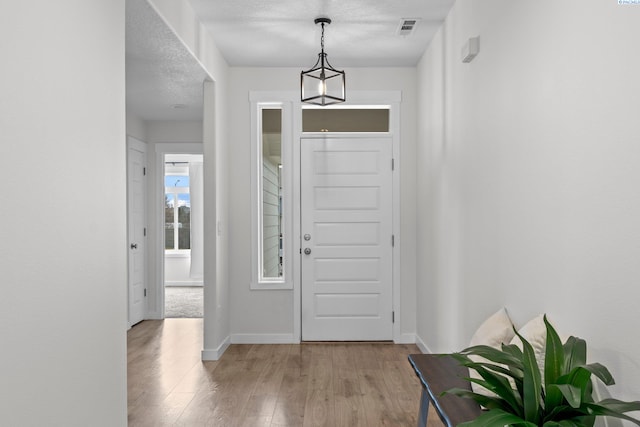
(424, 409)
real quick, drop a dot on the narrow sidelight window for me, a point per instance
(271, 195)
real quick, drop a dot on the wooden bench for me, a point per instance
(438, 373)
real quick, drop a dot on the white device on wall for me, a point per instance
(470, 49)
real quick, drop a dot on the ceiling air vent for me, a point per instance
(407, 26)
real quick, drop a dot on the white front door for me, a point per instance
(136, 212)
(346, 227)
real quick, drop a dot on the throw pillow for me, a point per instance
(495, 331)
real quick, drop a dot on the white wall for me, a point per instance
(270, 312)
(62, 118)
(173, 131)
(136, 127)
(180, 17)
(177, 271)
(529, 195)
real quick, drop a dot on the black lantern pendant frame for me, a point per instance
(321, 73)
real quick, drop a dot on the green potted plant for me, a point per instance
(561, 396)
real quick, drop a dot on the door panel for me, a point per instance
(347, 233)
(346, 214)
(336, 198)
(357, 305)
(136, 189)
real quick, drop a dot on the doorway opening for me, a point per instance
(183, 235)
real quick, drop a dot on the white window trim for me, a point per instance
(177, 253)
(260, 101)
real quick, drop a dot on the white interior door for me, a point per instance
(136, 212)
(346, 224)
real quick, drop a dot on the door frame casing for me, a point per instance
(155, 304)
(391, 99)
(136, 144)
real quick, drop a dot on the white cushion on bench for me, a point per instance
(495, 331)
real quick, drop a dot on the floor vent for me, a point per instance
(407, 26)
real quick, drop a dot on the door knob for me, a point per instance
(307, 251)
(134, 246)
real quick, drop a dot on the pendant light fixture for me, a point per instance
(322, 84)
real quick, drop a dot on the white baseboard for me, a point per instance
(215, 354)
(422, 346)
(263, 339)
(406, 339)
(153, 315)
(177, 284)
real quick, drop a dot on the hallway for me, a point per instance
(333, 384)
(183, 301)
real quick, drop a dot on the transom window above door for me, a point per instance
(345, 119)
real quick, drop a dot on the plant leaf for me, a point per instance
(553, 366)
(497, 418)
(493, 354)
(513, 350)
(580, 378)
(564, 423)
(575, 353)
(614, 408)
(532, 384)
(587, 421)
(500, 386)
(560, 412)
(619, 405)
(601, 372)
(571, 393)
(517, 376)
(482, 400)
(495, 368)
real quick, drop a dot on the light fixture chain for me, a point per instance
(322, 39)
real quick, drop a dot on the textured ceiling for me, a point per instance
(268, 33)
(161, 74)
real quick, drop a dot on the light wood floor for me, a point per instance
(266, 385)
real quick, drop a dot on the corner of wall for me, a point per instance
(216, 354)
(422, 346)
(406, 338)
